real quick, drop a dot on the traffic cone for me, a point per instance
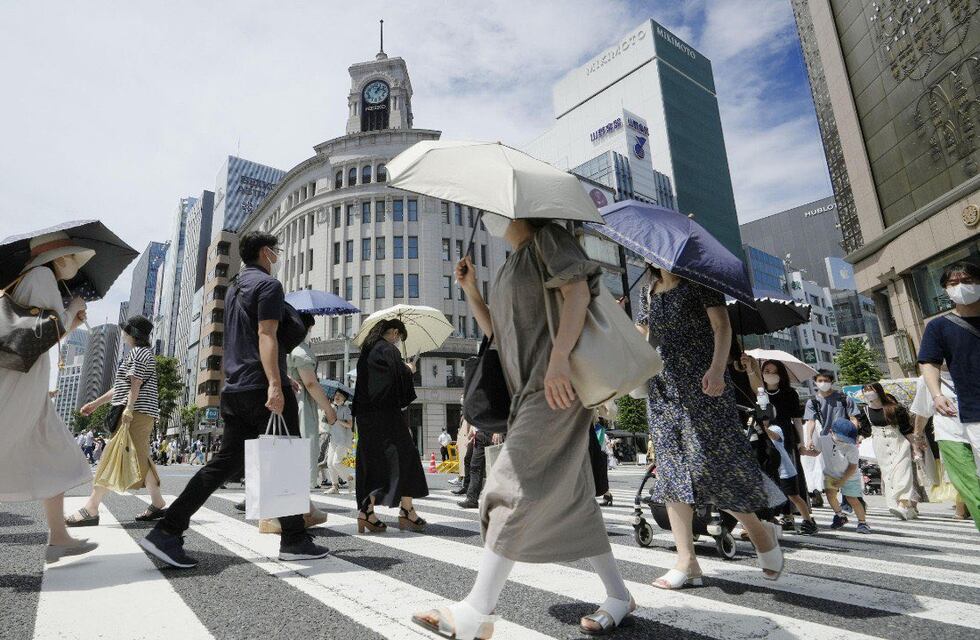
(432, 464)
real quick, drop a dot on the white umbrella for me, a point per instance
(492, 177)
(427, 328)
(798, 370)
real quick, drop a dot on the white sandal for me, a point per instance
(772, 560)
(610, 616)
(676, 579)
(459, 621)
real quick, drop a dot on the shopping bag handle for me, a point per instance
(276, 425)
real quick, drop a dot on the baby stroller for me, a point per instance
(707, 521)
(872, 478)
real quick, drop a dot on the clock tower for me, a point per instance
(380, 95)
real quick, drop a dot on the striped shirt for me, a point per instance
(140, 363)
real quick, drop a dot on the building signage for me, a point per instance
(211, 413)
(678, 44)
(634, 123)
(810, 356)
(824, 209)
(606, 129)
(615, 52)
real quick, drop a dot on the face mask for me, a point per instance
(964, 293)
(824, 386)
(276, 268)
(496, 225)
(771, 378)
(870, 396)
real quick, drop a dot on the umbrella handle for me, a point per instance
(471, 247)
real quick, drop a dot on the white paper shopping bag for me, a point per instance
(277, 473)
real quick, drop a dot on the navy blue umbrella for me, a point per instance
(674, 242)
(320, 303)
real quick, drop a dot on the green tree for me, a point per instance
(632, 415)
(189, 415)
(170, 388)
(93, 422)
(858, 362)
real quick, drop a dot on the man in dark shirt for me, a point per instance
(954, 340)
(255, 385)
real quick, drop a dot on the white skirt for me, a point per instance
(894, 455)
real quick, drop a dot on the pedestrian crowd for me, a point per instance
(725, 430)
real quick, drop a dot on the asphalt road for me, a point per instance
(906, 580)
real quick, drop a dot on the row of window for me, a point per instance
(380, 280)
(448, 284)
(379, 246)
(380, 175)
(399, 209)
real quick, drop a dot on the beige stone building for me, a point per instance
(896, 85)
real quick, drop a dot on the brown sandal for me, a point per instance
(151, 513)
(82, 518)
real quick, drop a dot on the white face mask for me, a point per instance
(496, 225)
(824, 386)
(276, 267)
(964, 293)
(870, 397)
(771, 379)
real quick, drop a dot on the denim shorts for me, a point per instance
(850, 488)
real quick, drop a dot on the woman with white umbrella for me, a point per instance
(389, 470)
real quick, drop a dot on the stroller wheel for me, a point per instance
(697, 536)
(816, 500)
(725, 543)
(643, 533)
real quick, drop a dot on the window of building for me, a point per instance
(352, 176)
(302, 229)
(311, 223)
(379, 210)
(459, 249)
(475, 326)
(399, 247)
(483, 255)
(446, 250)
(365, 213)
(413, 247)
(458, 214)
(336, 253)
(398, 210)
(348, 322)
(365, 248)
(413, 210)
(931, 297)
(219, 292)
(413, 285)
(336, 217)
(348, 288)
(309, 259)
(366, 174)
(399, 285)
(338, 181)
(444, 209)
(223, 248)
(349, 251)
(447, 287)
(462, 326)
(217, 316)
(379, 286)
(382, 173)
(486, 292)
(460, 294)
(350, 215)
(299, 269)
(469, 216)
(334, 326)
(365, 287)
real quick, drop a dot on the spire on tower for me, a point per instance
(381, 54)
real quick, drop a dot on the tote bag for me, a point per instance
(119, 468)
(277, 473)
(611, 358)
(486, 400)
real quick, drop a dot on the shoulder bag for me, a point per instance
(25, 332)
(113, 418)
(486, 400)
(611, 358)
(962, 324)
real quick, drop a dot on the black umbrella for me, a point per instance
(770, 314)
(96, 276)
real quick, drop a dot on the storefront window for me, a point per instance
(932, 298)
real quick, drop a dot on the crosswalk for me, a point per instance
(907, 579)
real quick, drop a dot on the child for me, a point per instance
(787, 480)
(840, 457)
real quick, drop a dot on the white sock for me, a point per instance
(605, 567)
(490, 582)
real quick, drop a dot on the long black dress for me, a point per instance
(388, 464)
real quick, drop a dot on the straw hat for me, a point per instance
(50, 246)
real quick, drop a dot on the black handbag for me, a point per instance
(26, 333)
(486, 400)
(113, 418)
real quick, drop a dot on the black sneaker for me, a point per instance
(240, 506)
(468, 504)
(167, 548)
(809, 528)
(305, 549)
(789, 525)
(839, 521)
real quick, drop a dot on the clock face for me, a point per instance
(376, 92)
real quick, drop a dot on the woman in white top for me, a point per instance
(39, 459)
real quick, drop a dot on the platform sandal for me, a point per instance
(404, 522)
(772, 560)
(676, 579)
(613, 614)
(459, 621)
(373, 526)
(151, 513)
(82, 518)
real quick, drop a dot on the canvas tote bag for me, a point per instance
(277, 473)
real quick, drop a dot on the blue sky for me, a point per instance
(117, 109)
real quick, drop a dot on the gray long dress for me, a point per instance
(538, 504)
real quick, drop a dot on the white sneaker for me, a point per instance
(455, 481)
(902, 513)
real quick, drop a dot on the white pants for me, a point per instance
(335, 467)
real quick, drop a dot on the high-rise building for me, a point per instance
(222, 265)
(899, 77)
(239, 188)
(123, 311)
(99, 364)
(804, 237)
(142, 295)
(343, 229)
(66, 400)
(767, 273)
(74, 345)
(166, 329)
(816, 341)
(650, 100)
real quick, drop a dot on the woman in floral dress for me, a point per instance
(703, 455)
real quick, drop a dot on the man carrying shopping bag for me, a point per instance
(258, 335)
